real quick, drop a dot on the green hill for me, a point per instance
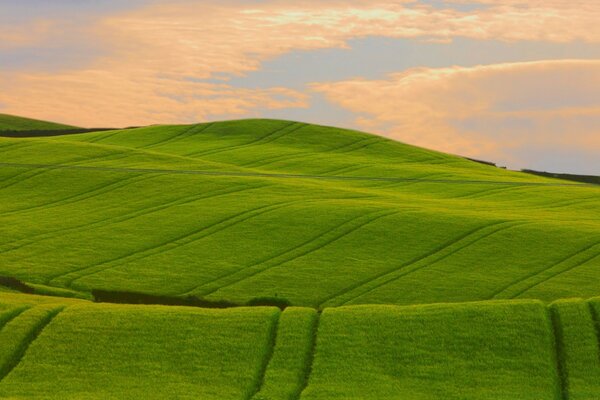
(358, 233)
(15, 124)
(59, 349)
(312, 215)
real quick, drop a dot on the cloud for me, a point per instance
(162, 61)
(497, 111)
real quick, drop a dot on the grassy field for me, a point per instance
(263, 208)
(490, 350)
(411, 274)
(13, 123)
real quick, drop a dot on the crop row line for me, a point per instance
(269, 350)
(537, 278)
(140, 212)
(316, 243)
(558, 353)
(14, 358)
(179, 134)
(165, 246)
(88, 194)
(436, 255)
(288, 176)
(261, 140)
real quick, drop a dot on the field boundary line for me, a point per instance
(485, 192)
(596, 325)
(391, 275)
(269, 351)
(32, 335)
(12, 314)
(101, 137)
(537, 273)
(243, 145)
(594, 256)
(171, 138)
(347, 168)
(304, 249)
(23, 242)
(356, 146)
(558, 352)
(32, 175)
(187, 238)
(310, 359)
(288, 176)
(88, 194)
(264, 260)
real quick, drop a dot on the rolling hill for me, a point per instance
(20, 124)
(409, 273)
(314, 215)
(61, 349)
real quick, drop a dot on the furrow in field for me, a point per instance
(358, 145)
(104, 136)
(579, 347)
(568, 263)
(287, 369)
(8, 315)
(596, 322)
(17, 143)
(18, 179)
(271, 160)
(68, 278)
(561, 371)
(316, 243)
(261, 140)
(346, 169)
(243, 173)
(269, 349)
(21, 332)
(18, 244)
(310, 359)
(176, 136)
(485, 192)
(438, 254)
(90, 193)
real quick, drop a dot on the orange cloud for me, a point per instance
(143, 76)
(486, 111)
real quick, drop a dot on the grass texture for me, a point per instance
(469, 351)
(14, 123)
(314, 215)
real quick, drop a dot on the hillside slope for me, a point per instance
(14, 123)
(57, 349)
(314, 215)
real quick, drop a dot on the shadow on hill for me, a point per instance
(55, 132)
(122, 297)
(569, 177)
(15, 284)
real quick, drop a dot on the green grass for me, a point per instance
(103, 352)
(470, 351)
(13, 123)
(192, 210)
(319, 217)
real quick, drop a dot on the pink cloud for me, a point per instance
(491, 111)
(152, 51)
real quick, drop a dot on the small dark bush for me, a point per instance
(269, 301)
(120, 297)
(14, 283)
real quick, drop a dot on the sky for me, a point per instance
(511, 81)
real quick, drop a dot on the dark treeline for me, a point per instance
(55, 132)
(120, 297)
(15, 284)
(570, 177)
